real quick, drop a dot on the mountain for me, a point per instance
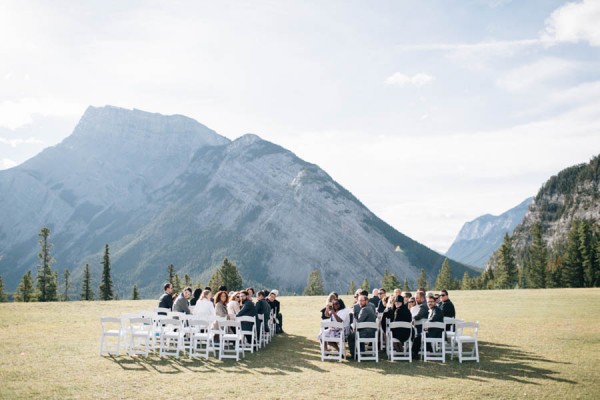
(478, 239)
(167, 190)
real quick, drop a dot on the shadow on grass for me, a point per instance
(284, 355)
(498, 361)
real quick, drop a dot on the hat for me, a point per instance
(275, 292)
(399, 299)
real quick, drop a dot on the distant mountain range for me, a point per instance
(166, 189)
(478, 239)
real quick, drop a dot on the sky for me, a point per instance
(432, 113)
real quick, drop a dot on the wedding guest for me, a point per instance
(204, 308)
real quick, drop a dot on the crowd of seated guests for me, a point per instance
(400, 306)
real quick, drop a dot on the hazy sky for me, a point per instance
(431, 112)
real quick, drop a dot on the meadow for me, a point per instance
(533, 344)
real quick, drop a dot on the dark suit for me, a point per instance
(263, 308)
(419, 312)
(248, 310)
(366, 314)
(448, 309)
(374, 301)
(402, 314)
(276, 307)
(435, 315)
(165, 301)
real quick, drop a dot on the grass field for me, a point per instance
(533, 344)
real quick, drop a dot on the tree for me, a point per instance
(538, 259)
(24, 291)
(314, 287)
(405, 287)
(422, 280)
(444, 278)
(554, 274)
(67, 284)
(352, 288)
(187, 281)
(586, 249)
(171, 273)
(3, 296)
(466, 283)
(389, 281)
(365, 285)
(47, 285)
(86, 286)
(106, 285)
(506, 272)
(226, 275)
(573, 262)
(177, 284)
(135, 295)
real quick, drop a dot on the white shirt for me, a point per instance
(204, 309)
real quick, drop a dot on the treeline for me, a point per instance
(45, 286)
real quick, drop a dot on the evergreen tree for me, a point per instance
(586, 249)
(3, 296)
(352, 288)
(365, 285)
(314, 287)
(106, 285)
(67, 284)
(25, 291)
(177, 284)
(198, 284)
(389, 281)
(466, 283)
(506, 274)
(444, 278)
(135, 295)
(573, 263)
(86, 287)
(226, 275)
(597, 283)
(187, 281)
(47, 286)
(538, 259)
(171, 273)
(422, 280)
(405, 286)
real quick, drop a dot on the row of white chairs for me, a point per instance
(462, 336)
(171, 333)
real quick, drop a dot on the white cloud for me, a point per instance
(575, 22)
(536, 73)
(7, 163)
(14, 114)
(400, 79)
(16, 142)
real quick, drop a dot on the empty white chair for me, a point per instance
(438, 345)
(466, 333)
(261, 333)
(230, 340)
(171, 337)
(371, 345)
(405, 352)
(140, 336)
(248, 335)
(327, 336)
(112, 332)
(450, 334)
(201, 338)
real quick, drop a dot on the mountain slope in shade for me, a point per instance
(166, 189)
(478, 239)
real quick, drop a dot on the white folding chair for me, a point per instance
(405, 352)
(326, 328)
(450, 334)
(140, 336)
(371, 345)
(438, 345)
(171, 337)
(262, 334)
(271, 326)
(201, 338)
(462, 337)
(230, 340)
(162, 311)
(112, 330)
(248, 334)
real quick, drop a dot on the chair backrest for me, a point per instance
(109, 323)
(170, 324)
(452, 322)
(399, 324)
(198, 325)
(331, 325)
(470, 326)
(162, 310)
(434, 325)
(138, 324)
(225, 326)
(367, 325)
(175, 314)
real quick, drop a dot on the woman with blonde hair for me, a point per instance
(326, 311)
(233, 306)
(204, 307)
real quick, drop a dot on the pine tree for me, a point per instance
(573, 262)
(177, 284)
(3, 296)
(314, 287)
(67, 284)
(86, 287)
(106, 285)
(135, 295)
(352, 288)
(226, 275)
(466, 282)
(389, 281)
(365, 285)
(444, 278)
(538, 259)
(554, 274)
(586, 249)
(422, 280)
(171, 273)
(405, 286)
(47, 287)
(25, 291)
(506, 274)
(187, 281)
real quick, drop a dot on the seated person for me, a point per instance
(401, 314)
(166, 300)
(181, 304)
(339, 313)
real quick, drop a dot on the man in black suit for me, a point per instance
(276, 307)
(375, 299)
(447, 307)
(366, 314)
(434, 315)
(166, 300)
(262, 308)
(419, 313)
(247, 310)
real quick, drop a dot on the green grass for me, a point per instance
(533, 344)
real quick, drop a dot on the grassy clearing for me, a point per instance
(533, 343)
